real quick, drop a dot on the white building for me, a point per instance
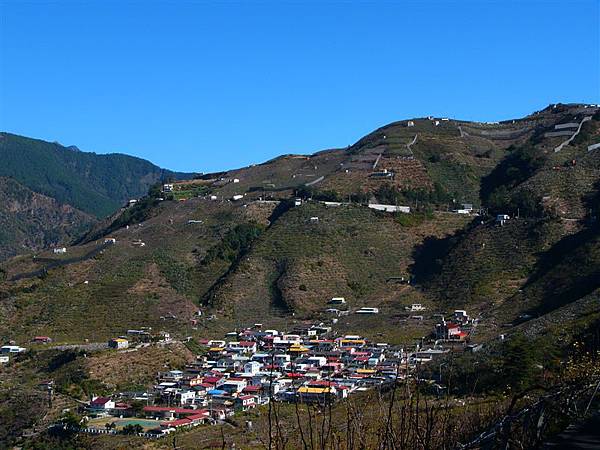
(60, 251)
(12, 349)
(502, 218)
(390, 208)
(337, 301)
(252, 367)
(365, 310)
(118, 343)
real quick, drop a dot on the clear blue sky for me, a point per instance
(201, 86)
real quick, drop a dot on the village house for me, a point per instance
(118, 343)
(101, 405)
(12, 349)
(389, 208)
(245, 402)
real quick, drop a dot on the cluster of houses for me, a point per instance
(458, 328)
(254, 366)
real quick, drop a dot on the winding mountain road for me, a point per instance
(568, 141)
(411, 143)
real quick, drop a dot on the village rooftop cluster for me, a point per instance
(255, 366)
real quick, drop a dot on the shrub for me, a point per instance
(236, 242)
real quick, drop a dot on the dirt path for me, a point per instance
(411, 143)
(315, 181)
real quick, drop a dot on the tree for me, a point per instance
(132, 429)
(518, 362)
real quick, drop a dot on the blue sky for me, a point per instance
(202, 86)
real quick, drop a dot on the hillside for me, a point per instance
(30, 221)
(544, 260)
(260, 257)
(95, 184)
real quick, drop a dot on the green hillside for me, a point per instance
(95, 184)
(253, 259)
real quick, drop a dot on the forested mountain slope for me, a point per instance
(95, 184)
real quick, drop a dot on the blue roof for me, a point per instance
(216, 392)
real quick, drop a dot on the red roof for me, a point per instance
(252, 389)
(211, 380)
(246, 397)
(295, 375)
(322, 383)
(247, 344)
(176, 423)
(452, 325)
(100, 401)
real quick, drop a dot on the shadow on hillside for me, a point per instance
(278, 303)
(570, 269)
(429, 257)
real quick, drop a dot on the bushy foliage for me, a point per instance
(388, 194)
(414, 219)
(132, 429)
(325, 196)
(237, 241)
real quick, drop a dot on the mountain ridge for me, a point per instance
(95, 183)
